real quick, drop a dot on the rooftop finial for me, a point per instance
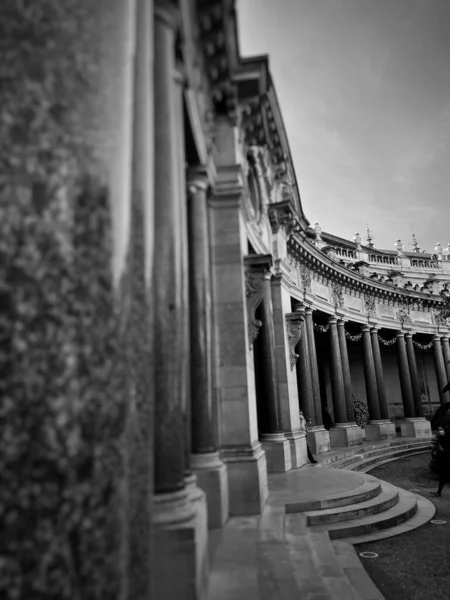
(414, 242)
(369, 237)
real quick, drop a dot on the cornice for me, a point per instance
(306, 253)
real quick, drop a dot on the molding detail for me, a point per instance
(337, 294)
(294, 335)
(441, 316)
(370, 305)
(257, 272)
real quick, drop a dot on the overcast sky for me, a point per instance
(364, 88)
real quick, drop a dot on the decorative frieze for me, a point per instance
(257, 272)
(305, 277)
(294, 334)
(404, 313)
(370, 305)
(337, 295)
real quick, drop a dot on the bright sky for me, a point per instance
(364, 88)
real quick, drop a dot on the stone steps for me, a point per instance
(340, 454)
(383, 501)
(405, 507)
(355, 572)
(357, 460)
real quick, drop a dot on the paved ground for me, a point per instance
(415, 565)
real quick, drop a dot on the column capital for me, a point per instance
(436, 337)
(332, 320)
(400, 333)
(365, 328)
(308, 310)
(374, 328)
(408, 334)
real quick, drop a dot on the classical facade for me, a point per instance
(175, 327)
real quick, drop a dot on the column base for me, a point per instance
(318, 440)
(211, 474)
(380, 430)
(415, 427)
(247, 479)
(181, 563)
(346, 434)
(278, 452)
(297, 442)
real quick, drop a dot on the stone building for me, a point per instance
(172, 320)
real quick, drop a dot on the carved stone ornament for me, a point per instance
(282, 216)
(256, 274)
(294, 335)
(305, 277)
(337, 294)
(370, 305)
(404, 315)
(441, 316)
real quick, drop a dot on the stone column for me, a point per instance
(446, 352)
(274, 442)
(405, 377)
(441, 374)
(349, 434)
(303, 368)
(287, 334)
(177, 515)
(377, 428)
(241, 449)
(378, 364)
(344, 433)
(318, 436)
(417, 426)
(205, 462)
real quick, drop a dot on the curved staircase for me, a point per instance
(302, 546)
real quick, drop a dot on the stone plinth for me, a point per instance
(380, 430)
(318, 440)
(212, 478)
(180, 522)
(346, 434)
(247, 470)
(299, 453)
(278, 452)
(418, 427)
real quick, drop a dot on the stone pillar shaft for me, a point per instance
(370, 376)
(337, 377)
(202, 418)
(382, 399)
(268, 358)
(168, 280)
(303, 366)
(417, 396)
(346, 372)
(440, 369)
(446, 351)
(405, 376)
(314, 367)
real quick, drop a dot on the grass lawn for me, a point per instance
(415, 565)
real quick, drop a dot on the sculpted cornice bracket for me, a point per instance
(282, 216)
(294, 328)
(257, 273)
(404, 314)
(305, 277)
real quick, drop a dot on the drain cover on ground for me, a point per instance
(368, 554)
(414, 490)
(438, 522)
